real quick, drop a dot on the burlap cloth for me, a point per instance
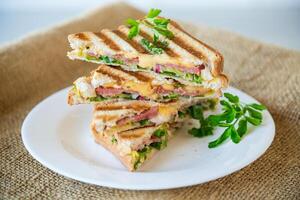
(37, 66)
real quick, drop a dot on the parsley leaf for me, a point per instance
(235, 113)
(134, 28)
(153, 13)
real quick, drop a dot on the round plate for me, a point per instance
(58, 136)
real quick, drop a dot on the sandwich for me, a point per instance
(155, 45)
(108, 83)
(133, 147)
(133, 130)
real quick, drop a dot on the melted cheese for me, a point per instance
(144, 89)
(149, 61)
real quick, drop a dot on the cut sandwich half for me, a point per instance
(134, 147)
(181, 57)
(108, 83)
(133, 130)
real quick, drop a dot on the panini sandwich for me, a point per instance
(108, 83)
(133, 130)
(158, 46)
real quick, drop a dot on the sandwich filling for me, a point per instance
(197, 74)
(100, 87)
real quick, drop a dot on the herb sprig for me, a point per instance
(235, 119)
(160, 26)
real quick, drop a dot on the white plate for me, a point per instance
(58, 136)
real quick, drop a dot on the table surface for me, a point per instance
(280, 26)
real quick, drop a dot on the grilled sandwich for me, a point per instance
(185, 58)
(133, 147)
(108, 83)
(134, 129)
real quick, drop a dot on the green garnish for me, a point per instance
(125, 96)
(150, 47)
(171, 96)
(181, 115)
(104, 59)
(160, 25)
(114, 140)
(159, 145)
(97, 98)
(193, 77)
(160, 132)
(134, 28)
(234, 119)
(141, 156)
(153, 13)
(144, 122)
(168, 73)
(108, 60)
(159, 43)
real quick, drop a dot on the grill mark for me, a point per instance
(137, 107)
(168, 51)
(106, 118)
(108, 73)
(188, 48)
(194, 50)
(108, 41)
(132, 43)
(81, 36)
(137, 75)
(134, 133)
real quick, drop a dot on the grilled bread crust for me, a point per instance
(126, 160)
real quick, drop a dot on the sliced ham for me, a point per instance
(108, 91)
(148, 114)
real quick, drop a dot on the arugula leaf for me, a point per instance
(144, 122)
(181, 115)
(151, 48)
(201, 132)
(196, 112)
(160, 132)
(125, 96)
(171, 96)
(114, 140)
(153, 13)
(109, 60)
(97, 98)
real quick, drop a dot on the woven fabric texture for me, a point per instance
(37, 66)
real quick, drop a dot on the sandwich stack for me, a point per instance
(149, 74)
